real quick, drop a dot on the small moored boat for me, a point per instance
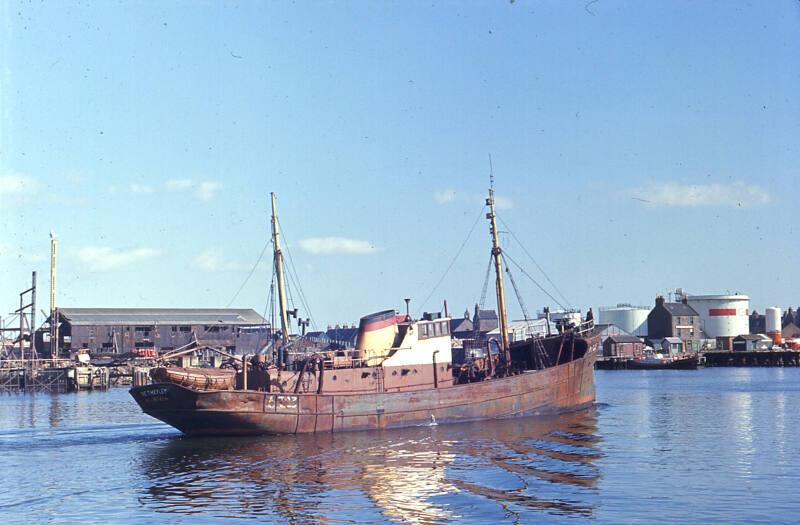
(660, 362)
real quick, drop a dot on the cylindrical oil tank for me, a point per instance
(632, 319)
(773, 324)
(722, 315)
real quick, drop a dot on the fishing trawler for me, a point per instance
(401, 372)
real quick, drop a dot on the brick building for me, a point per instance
(623, 346)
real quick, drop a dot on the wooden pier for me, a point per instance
(752, 358)
(611, 363)
(51, 376)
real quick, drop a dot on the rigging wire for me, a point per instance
(270, 305)
(526, 274)
(450, 266)
(485, 283)
(516, 290)
(301, 293)
(249, 275)
(536, 263)
(296, 285)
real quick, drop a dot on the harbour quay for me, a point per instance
(784, 357)
(685, 331)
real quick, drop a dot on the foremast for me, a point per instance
(278, 261)
(498, 268)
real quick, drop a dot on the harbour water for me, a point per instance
(709, 446)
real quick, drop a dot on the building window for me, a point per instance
(186, 329)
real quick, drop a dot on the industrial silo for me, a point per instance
(722, 316)
(632, 319)
(773, 324)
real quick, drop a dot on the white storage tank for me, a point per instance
(723, 316)
(773, 324)
(632, 319)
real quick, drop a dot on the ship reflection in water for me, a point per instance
(430, 474)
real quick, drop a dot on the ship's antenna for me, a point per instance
(491, 174)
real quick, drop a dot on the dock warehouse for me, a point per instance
(124, 330)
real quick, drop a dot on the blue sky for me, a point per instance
(637, 147)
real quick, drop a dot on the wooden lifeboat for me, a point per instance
(197, 378)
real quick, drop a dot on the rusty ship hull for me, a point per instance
(560, 388)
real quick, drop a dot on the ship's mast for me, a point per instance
(53, 308)
(278, 258)
(498, 268)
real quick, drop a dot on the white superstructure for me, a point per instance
(522, 330)
(570, 316)
(722, 315)
(632, 319)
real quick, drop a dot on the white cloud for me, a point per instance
(335, 245)
(672, 194)
(205, 190)
(12, 185)
(103, 259)
(201, 190)
(447, 196)
(179, 184)
(141, 188)
(208, 261)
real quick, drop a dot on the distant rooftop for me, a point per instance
(624, 306)
(624, 338)
(153, 316)
(680, 309)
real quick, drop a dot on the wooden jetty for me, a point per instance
(752, 358)
(685, 362)
(50, 375)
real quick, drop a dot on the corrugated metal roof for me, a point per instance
(153, 316)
